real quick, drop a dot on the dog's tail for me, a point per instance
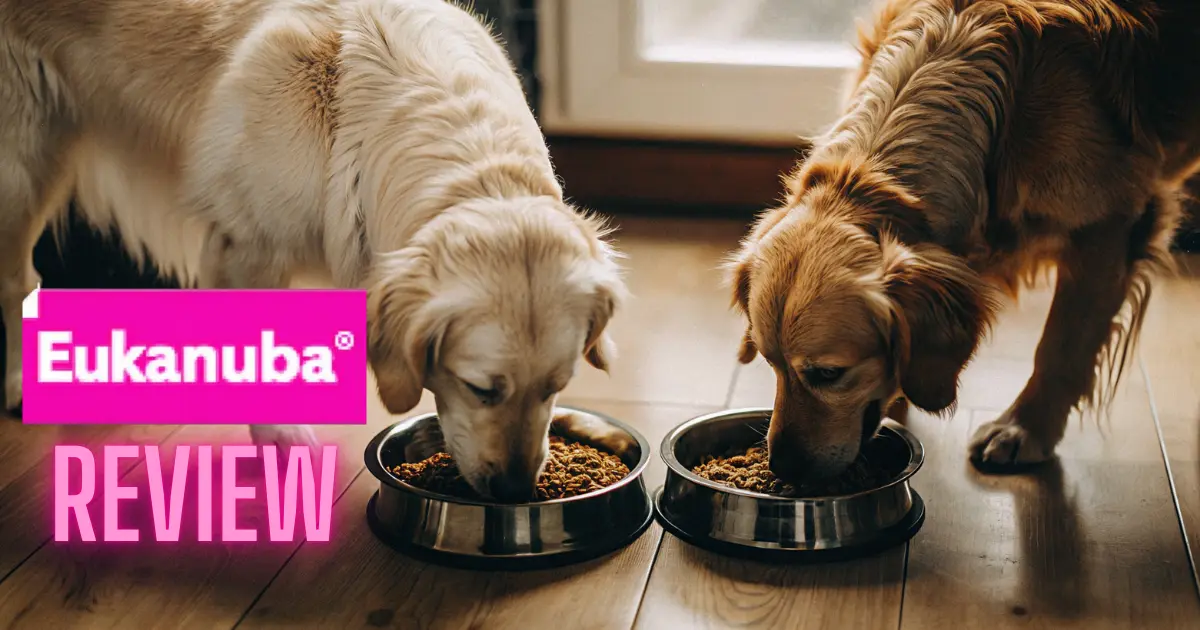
(1148, 256)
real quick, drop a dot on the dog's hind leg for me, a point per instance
(34, 145)
(1085, 345)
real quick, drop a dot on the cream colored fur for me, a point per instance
(384, 143)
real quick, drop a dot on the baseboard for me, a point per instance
(671, 177)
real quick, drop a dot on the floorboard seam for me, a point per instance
(1162, 445)
(737, 373)
(24, 560)
(637, 612)
(46, 541)
(266, 587)
(903, 586)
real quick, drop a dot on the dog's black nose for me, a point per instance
(511, 489)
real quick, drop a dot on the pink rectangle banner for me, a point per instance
(195, 357)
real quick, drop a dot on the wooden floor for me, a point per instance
(1099, 539)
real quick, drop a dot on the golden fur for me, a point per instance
(385, 144)
(982, 142)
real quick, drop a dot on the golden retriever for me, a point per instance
(982, 142)
(386, 144)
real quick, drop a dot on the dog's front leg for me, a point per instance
(19, 231)
(17, 280)
(1094, 278)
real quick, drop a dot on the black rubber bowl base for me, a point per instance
(897, 534)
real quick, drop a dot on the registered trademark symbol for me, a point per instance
(343, 340)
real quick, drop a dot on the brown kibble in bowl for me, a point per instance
(748, 470)
(437, 473)
(572, 469)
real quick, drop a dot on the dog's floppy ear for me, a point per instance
(602, 276)
(403, 326)
(740, 269)
(607, 294)
(941, 310)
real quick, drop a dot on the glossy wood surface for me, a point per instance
(1098, 539)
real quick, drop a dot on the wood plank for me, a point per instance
(24, 445)
(27, 479)
(1170, 348)
(677, 338)
(1090, 541)
(355, 580)
(78, 584)
(692, 588)
(753, 385)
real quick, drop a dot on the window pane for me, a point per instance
(756, 32)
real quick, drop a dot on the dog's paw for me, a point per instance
(284, 437)
(1006, 445)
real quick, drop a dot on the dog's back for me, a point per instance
(106, 96)
(1140, 57)
(1100, 93)
(163, 118)
(136, 69)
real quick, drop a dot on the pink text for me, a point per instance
(167, 499)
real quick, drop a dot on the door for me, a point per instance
(752, 71)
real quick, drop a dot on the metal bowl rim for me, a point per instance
(373, 463)
(667, 451)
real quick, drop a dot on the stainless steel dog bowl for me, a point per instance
(493, 536)
(747, 524)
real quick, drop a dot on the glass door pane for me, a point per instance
(805, 33)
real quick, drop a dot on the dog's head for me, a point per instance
(490, 308)
(851, 318)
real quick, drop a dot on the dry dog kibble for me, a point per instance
(437, 473)
(747, 470)
(571, 469)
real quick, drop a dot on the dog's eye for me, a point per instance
(485, 396)
(822, 376)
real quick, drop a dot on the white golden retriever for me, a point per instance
(386, 143)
